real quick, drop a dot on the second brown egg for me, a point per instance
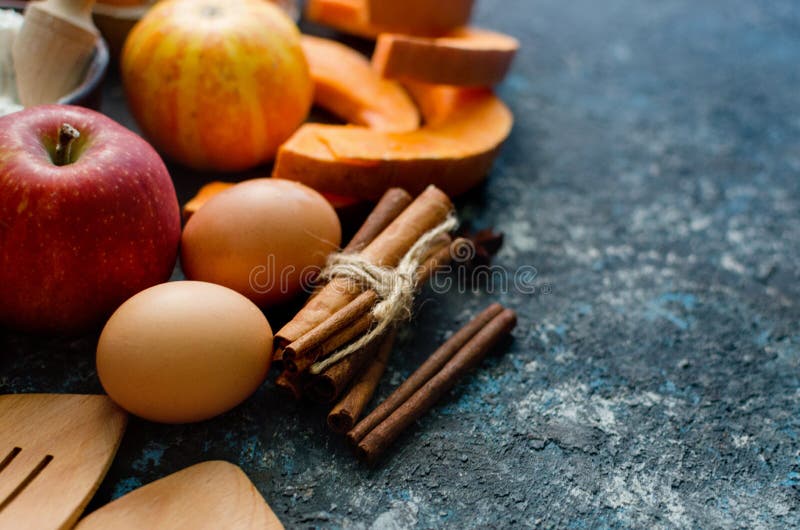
(265, 238)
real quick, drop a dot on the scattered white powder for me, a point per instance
(10, 23)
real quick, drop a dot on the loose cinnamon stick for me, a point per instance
(381, 437)
(344, 415)
(326, 386)
(393, 203)
(427, 211)
(424, 373)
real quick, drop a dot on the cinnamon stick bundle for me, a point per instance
(376, 440)
(391, 205)
(344, 415)
(355, 318)
(326, 386)
(426, 212)
(298, 356)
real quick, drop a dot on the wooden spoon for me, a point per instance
(53, 49)
(206, 496)
(54, 451)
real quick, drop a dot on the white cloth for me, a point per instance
(10, 23)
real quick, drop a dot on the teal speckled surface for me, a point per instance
(653, 182)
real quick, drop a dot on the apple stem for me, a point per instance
(67, 134)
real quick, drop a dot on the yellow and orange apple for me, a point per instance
(216, 84)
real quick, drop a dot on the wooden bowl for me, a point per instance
(89, 92)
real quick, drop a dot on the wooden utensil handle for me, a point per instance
(72, 6)
(78, 12)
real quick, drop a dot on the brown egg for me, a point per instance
(184, 351)
(264, 238)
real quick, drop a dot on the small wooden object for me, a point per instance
(54, 451)
(207, 496)
(53, 49)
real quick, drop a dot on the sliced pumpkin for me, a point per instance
(437, 103)
(419, 17)
(454, 152)
(368, 18)
(346, 85)
(464, 57)
(348, 16)
(205, 193)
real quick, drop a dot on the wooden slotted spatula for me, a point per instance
(53, 49)
(207, 496)
(54, 451)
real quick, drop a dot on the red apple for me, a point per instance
(84, 223)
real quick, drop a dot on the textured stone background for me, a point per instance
(652, 181)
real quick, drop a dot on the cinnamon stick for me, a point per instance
(291, 384)
(372, 446)
(344, 415)
(424, 373)
(393, 203)
(330, 345)
(427, 211)
(310, 342)
(277, 358)
(325, 387)
(354, 318)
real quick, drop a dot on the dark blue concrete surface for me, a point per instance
(653, 182)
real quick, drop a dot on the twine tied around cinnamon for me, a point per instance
(394, 287)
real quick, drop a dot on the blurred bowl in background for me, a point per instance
(116, 19)
(89, 93)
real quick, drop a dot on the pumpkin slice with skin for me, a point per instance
(464, 57)
(418, 17)
(205, 193)
(437, 103)
(346, 85)
(369, 18)
(348, 16)
(454, 153)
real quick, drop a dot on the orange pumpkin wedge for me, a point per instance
(347, 16)
(339, 202)
(464, 57)
(346, 85)
(368, 18)
(205, 193)
(437, 103)
(455, 153)
(419, 17)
